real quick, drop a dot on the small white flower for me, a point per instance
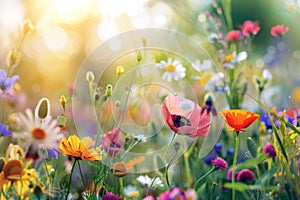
(140, 138)
(231, 60)
(173, 69)
(213, 37)
(131, 191)
(201, 67)
(147, 181)
(267, 76)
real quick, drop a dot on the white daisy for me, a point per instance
(147, 181)
(173, 69)
(201, 67)
(231, 60)
(38, 133)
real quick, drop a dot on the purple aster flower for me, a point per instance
(111, 196)
(219, 163)
(269, 149)
(218, 147)
(5, 82)
(4, 130)
(209, 158)
(245, 175)
(174, 194)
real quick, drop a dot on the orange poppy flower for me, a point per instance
(238, 120)
(79, 149)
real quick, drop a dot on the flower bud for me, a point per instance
(119, 169)
(63, 101)
(119, 71)
(42, 109)
(61, 121)
(27, 26)
(139, 56)
(108, 90)
(90, 77)
(267, 76)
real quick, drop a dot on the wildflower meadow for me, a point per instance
(149, 99)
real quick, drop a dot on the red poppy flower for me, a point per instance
(234, 35)
(185, 117)
(250, 27)
(279, 30)
(238, 120)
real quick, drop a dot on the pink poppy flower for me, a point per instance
(185, 117)
(112, 141)
(234, 35)
(250, 27)
(279, 30)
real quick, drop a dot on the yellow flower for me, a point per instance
(79, 149)
(119, 71)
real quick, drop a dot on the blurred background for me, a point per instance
(66, 31)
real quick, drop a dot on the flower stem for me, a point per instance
(226, 4)
(187, 169)
(81, 175)
(202, 177)
(121, 188)
(169, 145)
(236, 150)
(70, 179)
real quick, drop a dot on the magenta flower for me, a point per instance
(173, 194)
(111, 196)
(149, 198)
(269, 149)
(279, 30)
(5, 82)
(245, 175)
(219, 163)
(234, 35)
(250, 28)
(185, 117)
(112, 141)
(229, 175)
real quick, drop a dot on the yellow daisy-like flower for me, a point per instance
(79, 149)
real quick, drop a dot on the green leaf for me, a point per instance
(266, 176)
(252, 147)
(242, 187)
(253, 162)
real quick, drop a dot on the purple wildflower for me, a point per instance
(111, 196)
(229, 152)
(209, 158)
(4, 130)
(219, 163)
(229, 174)
(269, 149)
(5, 82)
(174, 194)
(218, 147)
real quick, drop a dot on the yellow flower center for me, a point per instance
(38, 133)
(170, 68)
(228, 58)
(13, 170)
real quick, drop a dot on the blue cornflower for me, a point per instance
(229, 152)
(218, 147)
(209, 158)
(4, 130)
(5, 82)
(266, 119)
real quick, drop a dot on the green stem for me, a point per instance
(81, 175)
(236, 150)
(53, 178)
(169, 145)
(121, 188)
(70, 179)
(202, 177)
(226, 4)
(187, 169)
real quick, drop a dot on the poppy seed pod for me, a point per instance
(119, 169)
(42, 110)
